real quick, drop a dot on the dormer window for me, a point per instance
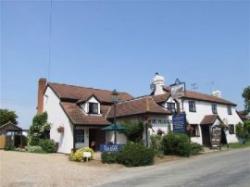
(93, 108)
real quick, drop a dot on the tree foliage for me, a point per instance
(39, 129)
(6, 116)
(133, 130)
(246, 96)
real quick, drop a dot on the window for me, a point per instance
(93, 108)
(192, 107)
(214, 108)
(194, 130)
(171, 107)
(231, 129)
(229, 110)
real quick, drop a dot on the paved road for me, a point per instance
(229, 168)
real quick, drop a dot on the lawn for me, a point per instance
(238, 145)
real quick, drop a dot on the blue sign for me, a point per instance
(179, 123)
(110, 147)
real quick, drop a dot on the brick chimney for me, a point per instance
(41, 88)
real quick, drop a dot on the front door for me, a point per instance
(205, 130)
(96, 138)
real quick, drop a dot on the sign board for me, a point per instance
(179, 123)
(110, 147)
(216, 136)
(178, 89)
(87, 155)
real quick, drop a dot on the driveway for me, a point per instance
(42, 170)
(228, 168)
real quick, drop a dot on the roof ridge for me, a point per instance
(63, 84)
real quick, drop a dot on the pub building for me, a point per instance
(79, 114)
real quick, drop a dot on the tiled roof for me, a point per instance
(64, 91)
(76, 115)
(203, 97)
(161, 98)
(209, 119)
(143, 105)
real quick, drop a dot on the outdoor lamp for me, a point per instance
(115, 100)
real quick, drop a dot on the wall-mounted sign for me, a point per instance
(178, 89)
(216, 136)
(110, 147)
(179, 123)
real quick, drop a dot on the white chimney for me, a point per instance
(157, 84)
(216, 93)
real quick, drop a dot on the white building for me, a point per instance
(78, 114)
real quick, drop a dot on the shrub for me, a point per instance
(242, 132)
(109, 157)
(78, 155)
(133, 130)
(196, 148)
(35, 149)
(48, 145)
(156, 143)
(176, 144)
(9, 147)
(135, 154)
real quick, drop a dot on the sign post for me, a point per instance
(178, 90)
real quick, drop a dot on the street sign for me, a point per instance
(179, 123)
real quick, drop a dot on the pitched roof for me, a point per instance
(78, 117)
(161, 98)
(209, 119)
(143, 105)
(203, 97)
(65, 91)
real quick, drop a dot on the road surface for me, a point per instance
(229, 168)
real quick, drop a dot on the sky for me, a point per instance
(121, 44)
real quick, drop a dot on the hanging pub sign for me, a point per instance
(216, 136)
(179, 122)
(178, 89)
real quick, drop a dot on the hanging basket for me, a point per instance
(60, 129)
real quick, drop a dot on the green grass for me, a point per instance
(238, 145)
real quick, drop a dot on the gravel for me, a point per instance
(31, 169)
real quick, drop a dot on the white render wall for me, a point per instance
(57, 117)
(204, 108)
(110, 137)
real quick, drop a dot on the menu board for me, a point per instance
(216, 136)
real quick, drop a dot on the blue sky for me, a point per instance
(121, 44)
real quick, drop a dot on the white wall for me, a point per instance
(120, 137)
(204, 108)
(57, 117)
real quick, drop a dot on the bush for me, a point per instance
(9, 147)
(135, 154)
(196, 148)
(48, 145)
(156, 143)
(109, 157)
(242, 132)
(78, 155)
(176, 144)
(133, 130)
(35, 149)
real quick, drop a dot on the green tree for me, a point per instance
(6, 116)
(246, 96)
(39, 129)
(133, 130)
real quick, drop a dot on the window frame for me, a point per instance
(229, 110)
(192, 106)
(214, 108)
(171, 107)
(91, 110)
(195, 130)
(230, 130)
